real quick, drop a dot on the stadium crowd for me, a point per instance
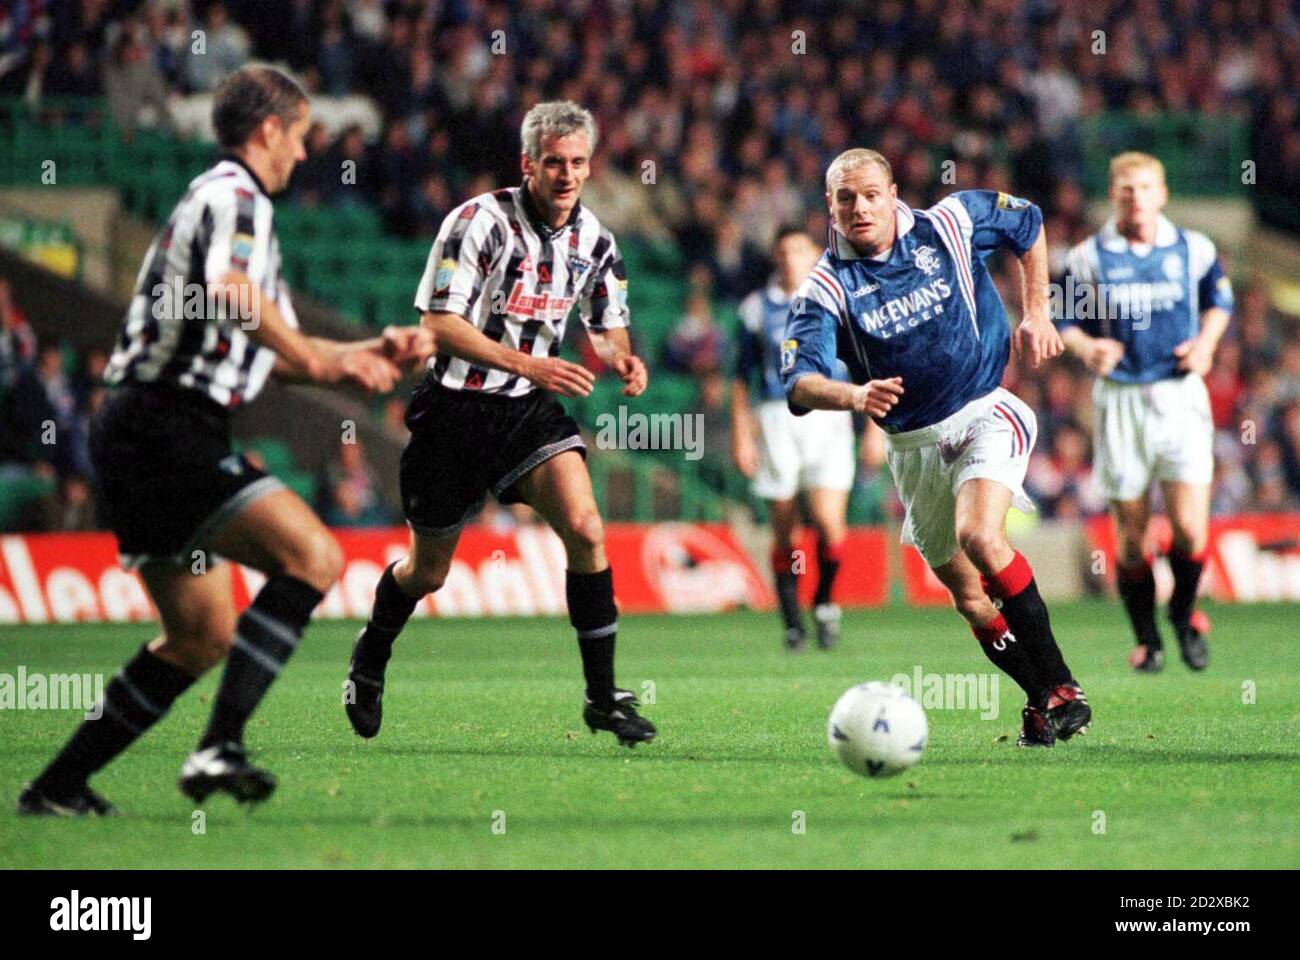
(718, 118)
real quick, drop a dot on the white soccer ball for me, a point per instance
(877, 730)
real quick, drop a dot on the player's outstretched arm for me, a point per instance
(818, 392)
(1036, 336)
(299, 357)
(614, 347)
(455, 337)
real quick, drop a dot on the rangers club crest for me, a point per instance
(926, 260)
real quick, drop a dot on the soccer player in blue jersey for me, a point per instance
(784, 454)
(1145, 305)
(903, 297)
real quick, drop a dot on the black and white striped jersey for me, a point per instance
(172, 333)
(496, 264)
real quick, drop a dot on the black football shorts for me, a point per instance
(465, 445)
(166, 474)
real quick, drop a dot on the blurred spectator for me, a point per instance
(220, 48)
(697, 345)
(347, 491)
(134, 84)
(74, 74)
(17, 341)
(1288, 439)
(736, 266)
(1060, 480)
(1225, 385)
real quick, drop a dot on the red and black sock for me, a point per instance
(1022, 605)
(1137, 588)
(265, 637)
(594, 615)
(829, 557)
(1008, 655)
(135, 699)
(787, 587)
(1187, 569)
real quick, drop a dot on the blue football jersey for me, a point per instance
(1148, 297)
(758, 342)
(927, 312)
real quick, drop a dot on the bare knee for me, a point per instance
(317, 560)
(1188, 537)
(974, 606)
(417, 581)
(987, 547)
(196, 648)
(830, 530)
(785, 540)
(1129, 546)
(584, 532)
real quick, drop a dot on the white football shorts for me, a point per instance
(1151, 431)
(802, 453)
(989, 438)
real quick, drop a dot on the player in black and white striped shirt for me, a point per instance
(170, 336)
(503, 275)
(209, 322)
(497, 264)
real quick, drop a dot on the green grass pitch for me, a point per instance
(483, 760)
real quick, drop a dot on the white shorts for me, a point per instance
(802, 453)
(1151, 431)
(989, 438)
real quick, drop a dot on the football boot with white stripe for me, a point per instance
(225, 768)
(618, 715)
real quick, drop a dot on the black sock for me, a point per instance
(1137, 588)
(828, 566)
(1009, 655)
(265, 636)
(1026, 614)
(594, 615)
(1187, 578)
(134, 700)
(393, 607)
(787, 588)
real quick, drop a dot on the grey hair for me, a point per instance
(851, 160)
(555, 118)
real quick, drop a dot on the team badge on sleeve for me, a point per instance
(241, 249)
(442, 279)
(1007, 202)
(789, 350)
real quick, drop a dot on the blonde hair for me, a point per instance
(1122, 163)
(852, 159)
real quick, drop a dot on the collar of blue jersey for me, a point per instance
(842, 248)
(1113, 240)
(544, 229)
(247, 169)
